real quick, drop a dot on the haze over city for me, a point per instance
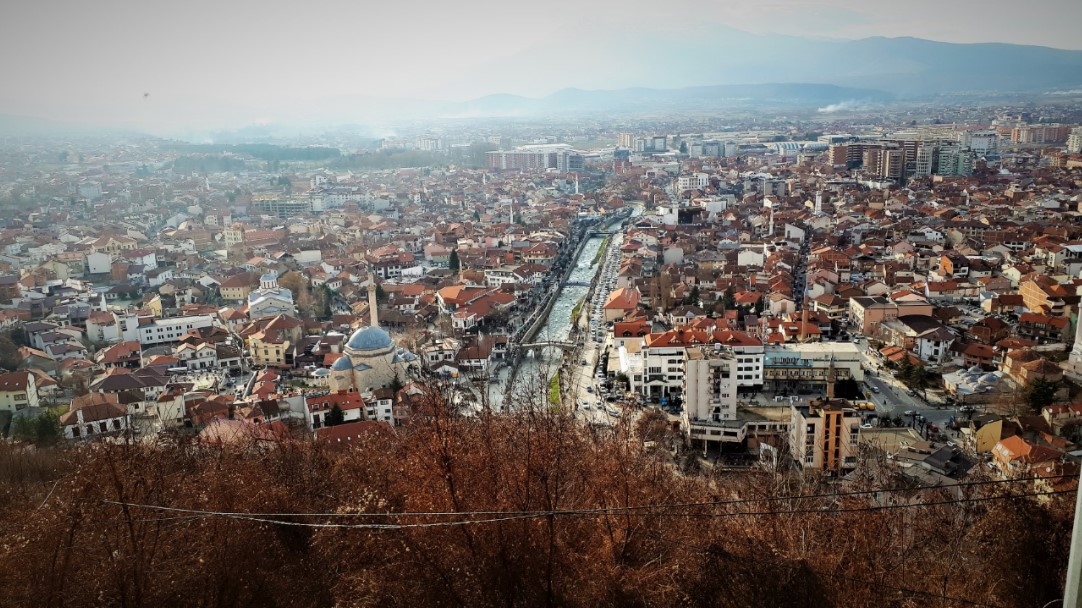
(213, 65)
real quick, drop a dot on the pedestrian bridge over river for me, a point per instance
(533, 346)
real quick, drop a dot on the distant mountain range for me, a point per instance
(721, 68)
(711, 68)
(902, 67)
(914, 67)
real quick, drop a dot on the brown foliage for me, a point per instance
(80, 548)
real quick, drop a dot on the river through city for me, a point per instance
(536, 369)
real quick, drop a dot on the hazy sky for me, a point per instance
(92, 61)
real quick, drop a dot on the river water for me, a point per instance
(536, 369)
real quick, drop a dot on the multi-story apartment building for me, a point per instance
(982, 142)
(954, 160)
(1074, 141)
(709, 389)
(558, 156)
(824, 435)
(1040, 134)
(660, 369)
(695, 181)
(283, 208)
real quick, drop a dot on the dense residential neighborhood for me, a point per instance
(938, 291)
(902, 304)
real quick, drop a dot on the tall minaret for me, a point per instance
(819, 202)
(804, 321)
(1076, 352)
(832, 377)
(576, 183)
(373, 310)
(512, 216)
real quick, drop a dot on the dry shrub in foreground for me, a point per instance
(80, 549)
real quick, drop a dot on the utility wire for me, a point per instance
(569, 513)
(607, 510)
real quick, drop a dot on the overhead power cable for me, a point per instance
(513, 516)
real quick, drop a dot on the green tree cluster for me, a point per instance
(42, 430)
(208, 164)
(691, 298)
(913, 376)
(9, 353)
(336, 416)
(728, 300)
(267, 152)
(1041, 393)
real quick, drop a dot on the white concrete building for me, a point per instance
(164, 331)
(709, 387)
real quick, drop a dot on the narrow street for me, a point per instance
(893, 398)
(585, 387)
